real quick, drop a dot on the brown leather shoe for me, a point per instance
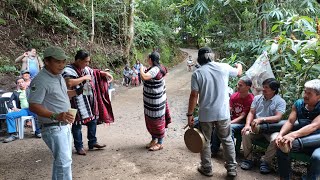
(81, 152)
(98, 146)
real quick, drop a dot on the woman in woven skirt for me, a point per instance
(156, 110)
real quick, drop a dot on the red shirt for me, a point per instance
(240, 105)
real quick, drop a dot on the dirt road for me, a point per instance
(125, 156)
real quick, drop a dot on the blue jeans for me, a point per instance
(12, 116)
(310, 145)
(59, 141)
(91, 135)
(215, 141)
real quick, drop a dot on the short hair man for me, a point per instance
(49, 100)
(30, 61)
(209, 83)
(266, 108)
(240, 103)
(307, 137)
(22, 109)
(26, 76)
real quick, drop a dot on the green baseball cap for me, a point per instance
(55, 52)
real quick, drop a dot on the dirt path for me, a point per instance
(125, 156)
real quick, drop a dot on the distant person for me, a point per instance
(134, 77)
(156, 110)
(190, 63)
(93, 104)
(126, 75)
(110, 78)
(26, 77)
(31, 62)
(50, 101)
(137, 67)
(22, 109)
(209, 85)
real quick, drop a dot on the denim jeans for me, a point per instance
(58, 139)
(91, 135)
(224, 133)
(276, 127)
(12, 116)
(215, 141)
(310, 145)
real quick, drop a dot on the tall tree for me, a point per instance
(130, 35)
(92, 22)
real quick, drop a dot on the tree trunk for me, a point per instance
(263, 21)
(130, 34)
(92, 23)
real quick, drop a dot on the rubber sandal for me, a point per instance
(151, 143)
(246, 164)
(156, 147)
(265, 168)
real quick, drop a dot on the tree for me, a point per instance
(130, 35)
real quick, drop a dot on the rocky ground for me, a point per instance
(125, 156)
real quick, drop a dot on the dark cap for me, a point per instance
(204, 50)
(55, 52)
(25, 71)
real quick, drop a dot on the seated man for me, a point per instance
(266, 108)
(22, 109)
(26, 77)
(126, 75)
(240, 103)
(307, 138)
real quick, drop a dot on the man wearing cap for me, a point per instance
(30, 61)
(209, 84)
(49, 100)
(26, 76)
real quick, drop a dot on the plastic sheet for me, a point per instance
(258, 72)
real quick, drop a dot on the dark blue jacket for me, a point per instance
(15, 97)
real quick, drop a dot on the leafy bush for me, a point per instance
(8, 69)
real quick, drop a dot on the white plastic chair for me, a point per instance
(20, 125)
(7, 94)
(21, 121)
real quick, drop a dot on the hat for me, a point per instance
(25, 71)
(204, 50)
(55, 52)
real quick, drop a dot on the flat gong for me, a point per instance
(194, 140)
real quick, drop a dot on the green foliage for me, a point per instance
(294, 54)
(148, 34)
(8, 69)
(3, 22)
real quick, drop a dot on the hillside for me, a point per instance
(22, 26)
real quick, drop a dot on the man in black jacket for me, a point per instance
(22, 109)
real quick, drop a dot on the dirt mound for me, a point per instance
(7, 82)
